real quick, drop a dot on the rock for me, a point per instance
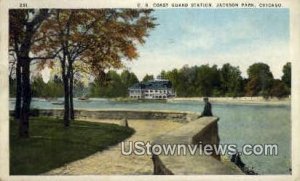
(236, 159)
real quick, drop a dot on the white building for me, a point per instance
(154, 89)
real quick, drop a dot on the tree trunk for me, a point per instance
(23, 79)
(65, 77)
(67, 101)
(18, 91)
(25, 105)
(71, 73)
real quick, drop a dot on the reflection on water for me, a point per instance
(239, 124)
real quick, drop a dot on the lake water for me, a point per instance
(239, 124)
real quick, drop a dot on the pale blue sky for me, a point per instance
(215, 36)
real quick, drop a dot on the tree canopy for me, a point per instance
(287, 74)
(231, 80)
(147, 78)
(116, 86)
(187, 82)
(99, 39)
(96, 39)
(260, 80)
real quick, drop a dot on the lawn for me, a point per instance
(51, 145)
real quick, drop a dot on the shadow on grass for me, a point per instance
(51, 145)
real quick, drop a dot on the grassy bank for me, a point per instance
(51, 145)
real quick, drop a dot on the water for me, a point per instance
(239, 124)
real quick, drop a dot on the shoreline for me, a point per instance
(217, 100)
(236, 100)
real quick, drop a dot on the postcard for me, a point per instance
(164, 89)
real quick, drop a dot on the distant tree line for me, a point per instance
(208, 80)
(115, 85)
(193, 81)
(112, 85)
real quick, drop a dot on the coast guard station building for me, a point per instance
(153, 89)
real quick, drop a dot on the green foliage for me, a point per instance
(115, 86)
(128, 78)
(195, 81)
(51, 146)
(261, 79)
(286, 77)
(54, 88)
(231, 80)
(208, 80)
(279, 89)
(147, 78)
(252, 87)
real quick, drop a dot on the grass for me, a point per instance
(51, 145)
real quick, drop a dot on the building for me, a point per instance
(153, 89)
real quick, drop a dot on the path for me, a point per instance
(111, 162)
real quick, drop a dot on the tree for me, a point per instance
(163, 74)
(260, 76)
(180, 80)
(116, 85)
(99, 39)
(286, 77)
(128, 78)
(252, 87)
(195, 81)
(53, 88)
(173, 77)
(231, 80)
(189, 80)
(279, 89)
(147, 78)
(23, 26)
(207, 81)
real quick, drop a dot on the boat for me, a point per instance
(83, 98)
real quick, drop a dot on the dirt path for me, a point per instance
(111, 161)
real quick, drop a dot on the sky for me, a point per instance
(191, 37)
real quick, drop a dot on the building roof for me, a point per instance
(153, 84)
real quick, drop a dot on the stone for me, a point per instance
(124, 122)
